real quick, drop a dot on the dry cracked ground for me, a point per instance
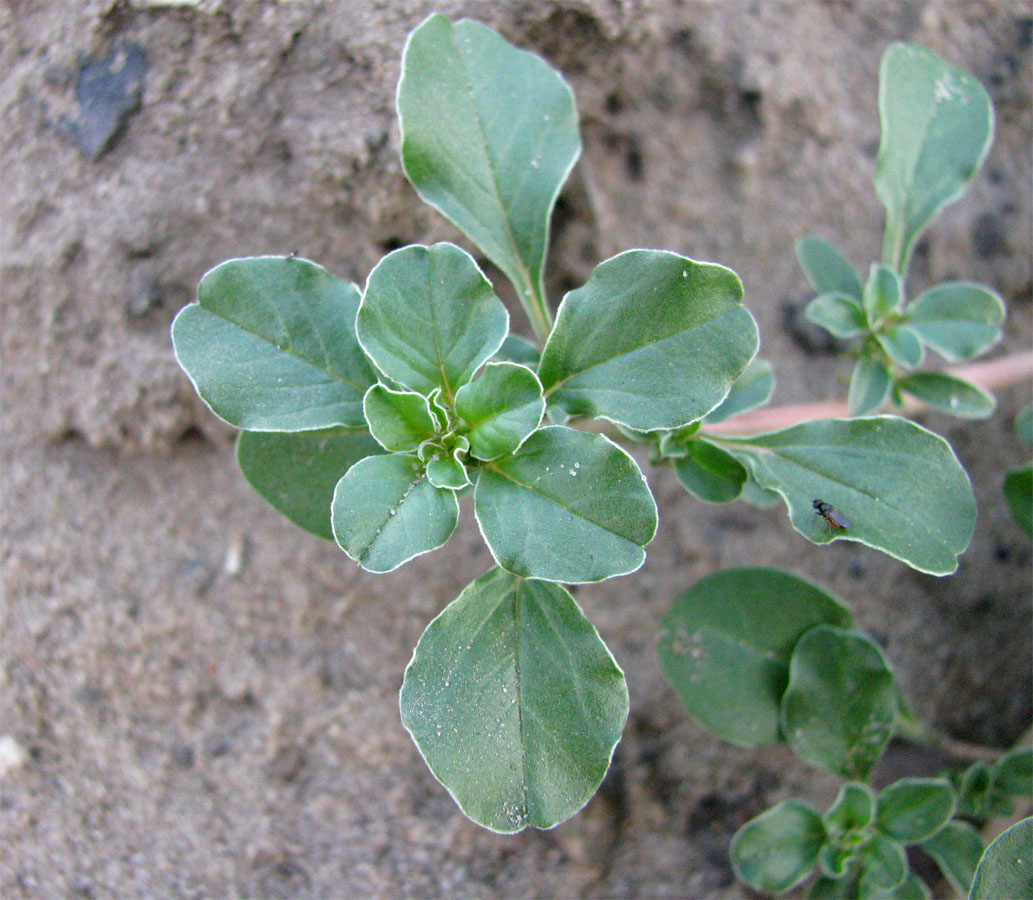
(199, 700)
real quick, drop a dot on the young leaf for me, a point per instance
(883, 867)
(726, 643)
(297, 472)
(826, 269)
(385, 512)
(937, 125)
(518, 350)
(900, 486)
(399, 420)
(652, 340)
(838, 314)
(709, 472)
(958, 320)
(840, 704)
(913, 809)
(957, 848)
(501, 407)
(952, 395)
(447, 473)
(751, 389)
(882, 292)
(1006, 869)
(429, 318)
(902, 345)
(567, 506)
(847, 820)
(270, 346)
(869, 386)
(515, 703)
(834, 861)
(779, 848)
(1018, 491)
(1013, 773)
(489, 135)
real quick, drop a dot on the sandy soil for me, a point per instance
(206, 697)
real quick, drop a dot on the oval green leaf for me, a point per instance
(882, 292)
(399, 420)
(883, 865)
(1018, 492)
(489, 135)
(515, 703)
(952, 395)
(838, 314)
(385, 512)
(958, 320)
(448, 473)
(429, 318)
(847, 820)
(751, 389)
(957, 849)
(899, 485)
(937, 126)
(902, 346)
(652, 340)
(1006, 869)
(725, 644)
(911, 888)
(913, 809)
(779, 848)
(839, 707)
(826, 269)
(869, 386)
(270, 346)
(297, 472)
(1013, 773)
(567, 506)
(501, 407)
(710, 473)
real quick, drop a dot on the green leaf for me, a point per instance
(1006, 869)
(399, 420)
(958, 320)
(902, 345)
(709, 472)
(937, 126)
(270, 346)
(869, 386)
(1018, 491)
(847, 820)
(834, 861)
(1024, 424)
(911, 888)
(725, 644)
(429, 318)
(297, 472)
(501, 407)
(489, 135)
(567, 506)
(515, 703)
(1013, 773)
(838, 314)
(385, 512)
(518, 350)
(751, 389)
(652, 340)
(952, 395)
(840, 704)
(913, 809)
(447, 472)
(883, 867)
(882, 292)
(825, 888)
(779, 848)
(900, 486)
(957, 848)
(826, 269)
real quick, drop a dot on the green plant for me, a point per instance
(761, 656)
(366, 414)
(937, 126)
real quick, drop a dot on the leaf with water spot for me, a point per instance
(515, 703)
(385, 511)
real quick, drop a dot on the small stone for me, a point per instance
(12, 754)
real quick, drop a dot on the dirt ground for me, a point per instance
(199, 700)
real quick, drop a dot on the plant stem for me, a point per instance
(537, 309)
(995, 374)
(918, 732)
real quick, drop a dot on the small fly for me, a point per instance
(831, 515)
